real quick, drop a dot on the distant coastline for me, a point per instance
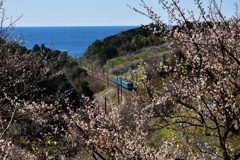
(73, 39)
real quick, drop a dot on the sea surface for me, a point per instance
(74, 40)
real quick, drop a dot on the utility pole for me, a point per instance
(118, 90)
(105, 105)
(121, 89)
(107, 79)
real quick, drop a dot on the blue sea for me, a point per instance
(74, 40)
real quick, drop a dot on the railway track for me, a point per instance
(127, 100)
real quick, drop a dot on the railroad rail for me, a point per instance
(125, 93)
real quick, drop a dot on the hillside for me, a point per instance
(122, 44)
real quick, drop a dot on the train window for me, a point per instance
(130, 85)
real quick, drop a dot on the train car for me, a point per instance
(124, 83)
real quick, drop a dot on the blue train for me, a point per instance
(124, 83)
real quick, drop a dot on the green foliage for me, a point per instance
(56, 58)
(97, 86)
(72, 64)
(64, 86)
(23, 140)
(28, 141)
(77, 73)
(139, 41)
(86, 91)
(43, 47)
(124, 60)
(121, 44)
(18, 48)
(152, 39)
(36, 48)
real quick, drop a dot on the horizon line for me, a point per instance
(86, 26)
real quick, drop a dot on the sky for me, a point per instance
(87, 12)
